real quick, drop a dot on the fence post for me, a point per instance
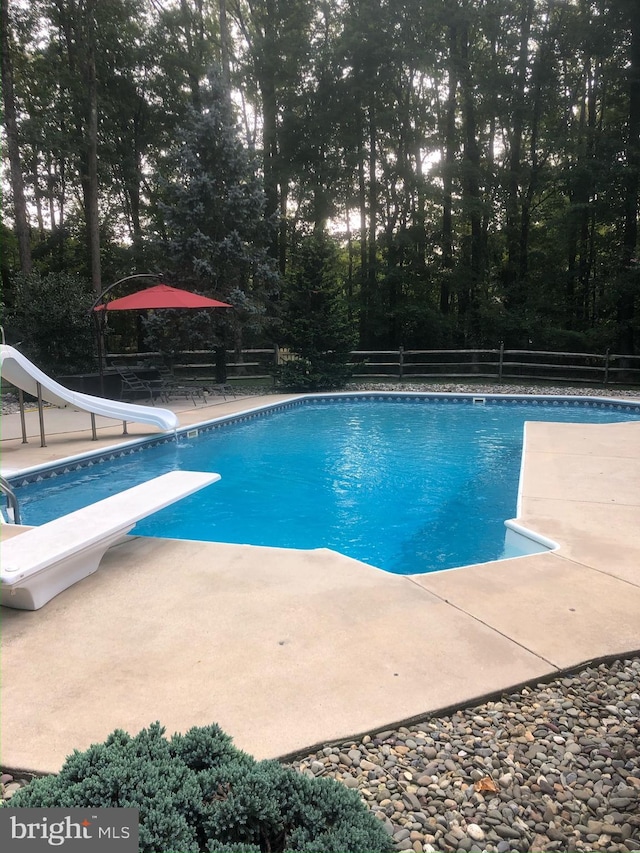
(400, 363)
(501, 360)
(605, 381)
(276, 354)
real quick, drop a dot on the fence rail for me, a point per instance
(201, 364)
(499, 363)
(603, 368)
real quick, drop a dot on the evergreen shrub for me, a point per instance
(198, 793)
(323, 373)
(315, 320)
(49, 316)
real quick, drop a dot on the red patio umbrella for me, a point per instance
(161, 296)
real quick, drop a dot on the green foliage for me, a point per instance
(9, 255)
(316, 324)
(49, 316)
(213, 223)
(478, 160)
(327, 372)
(197, 793)
(172, 331)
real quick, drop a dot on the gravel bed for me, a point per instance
(496, 388)
(555, 766)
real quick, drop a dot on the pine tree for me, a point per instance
(316, 325)
(214, 227)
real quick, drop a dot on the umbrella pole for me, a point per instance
(100, 321)
(100, 344)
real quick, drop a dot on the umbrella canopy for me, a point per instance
(161, 296)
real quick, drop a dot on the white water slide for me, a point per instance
(19, 371)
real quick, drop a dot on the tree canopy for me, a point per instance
(475, 163)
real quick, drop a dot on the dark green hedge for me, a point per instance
(323, 373)
(197, 792)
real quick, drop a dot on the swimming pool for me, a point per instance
(407, 483)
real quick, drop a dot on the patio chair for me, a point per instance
(168, 386)
(222, 388)
(132, 385)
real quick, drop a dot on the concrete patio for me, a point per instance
(287, 649)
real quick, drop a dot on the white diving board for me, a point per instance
(43, 561)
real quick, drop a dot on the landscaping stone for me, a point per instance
(473, 780)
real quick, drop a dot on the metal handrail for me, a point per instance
(12, 500)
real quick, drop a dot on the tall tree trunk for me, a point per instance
(133, 195)
(447, 178)
(37, 195)
(194, 49)
(349, 261)
(539, 75)
(471, 191)
(51, 182)
(78, 24)
(283, 238)
(373, 208)
(630, 274)
(13, 148)
(91, 198)
(364, 257)
(224, 47)
(586, 212)
(419, 213)
(267, 84)
(491, 173)
(513, 284)
(580, 196)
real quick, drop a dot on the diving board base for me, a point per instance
(43, 561)
(45, 585)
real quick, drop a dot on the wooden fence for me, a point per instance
(606, 369)
(501, 364)
(200, 365)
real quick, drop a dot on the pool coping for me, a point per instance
(488, 627)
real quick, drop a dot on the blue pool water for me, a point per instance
(408, 485)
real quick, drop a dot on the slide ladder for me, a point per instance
(13, 508)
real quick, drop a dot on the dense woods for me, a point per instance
(459, 172)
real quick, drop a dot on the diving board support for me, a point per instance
(41, 562)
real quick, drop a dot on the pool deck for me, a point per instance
(288, 649)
